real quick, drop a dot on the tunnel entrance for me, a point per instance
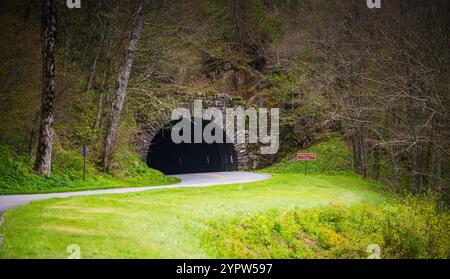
(171, 158)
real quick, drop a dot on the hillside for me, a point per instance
(107, 96)
(287, 55)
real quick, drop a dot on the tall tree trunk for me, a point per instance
(122, 82)
(416, 164)
(395, 172)
(376, 163)
(359, 143)
(48, 29)
(92, 70)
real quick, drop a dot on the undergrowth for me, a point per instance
(416, 227)
(16, 175)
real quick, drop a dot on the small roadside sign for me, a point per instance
(84, 154)
(306, 157)
(85, 150)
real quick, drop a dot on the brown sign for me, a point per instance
(306, 156)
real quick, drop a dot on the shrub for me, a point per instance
(414, 228)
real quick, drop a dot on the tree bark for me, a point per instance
(122, 83)
(416, 164)
(93, 68)
(92, 72)
(376, 163)
(359, 143)
(48, 33)
(395, 172)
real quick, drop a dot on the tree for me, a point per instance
(388, 74)
(48, 33)
(122, 83)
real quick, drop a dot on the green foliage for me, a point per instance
(16, 175)
(284, 85)
(333, 157)
(257, 26)
(83, 127)
(414, 228)
(417, 229)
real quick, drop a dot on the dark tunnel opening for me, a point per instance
(172, 158)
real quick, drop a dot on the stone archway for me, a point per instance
(221, 157)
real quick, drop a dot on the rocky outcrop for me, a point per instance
(240, 81)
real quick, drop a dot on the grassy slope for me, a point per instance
(333, 157)
(16, 176)
(163, 223)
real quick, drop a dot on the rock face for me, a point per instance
(242, 82)
(227, 86)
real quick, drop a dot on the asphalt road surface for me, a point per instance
(188, 180)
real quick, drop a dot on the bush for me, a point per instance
(417, 229)
(414, 228)
(16, 174)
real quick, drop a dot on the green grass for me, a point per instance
(415, 228)
(167, 223)
(16, 176)
(333, 157)
(332, 215)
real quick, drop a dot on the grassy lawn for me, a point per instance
(167, 223)
(96, 183)
(17, 177)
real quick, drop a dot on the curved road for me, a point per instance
(187, 180)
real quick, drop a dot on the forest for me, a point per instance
(366, 89)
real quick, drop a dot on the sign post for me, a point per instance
(84, 154)
(306, 157)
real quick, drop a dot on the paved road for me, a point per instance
(188, 180)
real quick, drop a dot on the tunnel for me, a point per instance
(172, 158)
